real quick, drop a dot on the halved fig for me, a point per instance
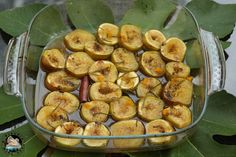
(153, 39)
(131, 37)
(49, 117)
(128, 81)
(150, 108)
(66, 101)
(152, 64)
(103, 70)
(52, 59)
(149, 86)
(107, 33)
(70, 128)
(76, 39)
(179, 115)
(178, 91)
(78, 64)
(160, 126)
(97, 50)
(177, 69)
(62, 81)
(173, 50)
(129, 128)
(124, 60)
(105, 91)
(123, 108)
(96, 129)
(95, 111)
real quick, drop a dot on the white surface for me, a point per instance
(230, 84)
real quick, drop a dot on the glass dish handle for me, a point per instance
(215, 61)
(13, 65)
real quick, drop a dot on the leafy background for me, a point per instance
(206, 142)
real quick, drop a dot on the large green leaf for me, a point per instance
(194, 54)
(60, 153)
(88, 15)
(184, 27)
(8, 104)
(16, 21)
(33, 57)
(151, 14)
(225, 44)
(219, 118)
(214, 17)
(46, 25)
(31, 144)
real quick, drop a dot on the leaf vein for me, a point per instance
(86, 18)
(214, 122)
(195, 148)
(29, 139)
(46, 34)
(5, 108)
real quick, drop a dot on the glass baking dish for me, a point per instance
(208, 78)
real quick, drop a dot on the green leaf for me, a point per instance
(184, 27)
(33, 57)
(10, 107)
(225, 104)
(31, 144)
(15, 21)
(88, 15)
(193, 54)
(219, 118)
(150, 14)
(46, 25)
(217, 18)
(60, 153)
(225, 44)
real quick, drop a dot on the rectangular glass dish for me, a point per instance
(208, 77)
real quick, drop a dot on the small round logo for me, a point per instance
(12, 143)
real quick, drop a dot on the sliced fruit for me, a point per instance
(152, 64)
(52, 59)
(96, 129)
(153, 39)
(177, 69)
(103, 70)
(76, 39)
(173, 50)
(150, 108)
(105, 91)
(149, 86)
(131, 37)
(62, 81)
(70, 128)
(178, 91)
(124, 60)
(107, 33)
(66, 101)
(128, 81)
(78, 64)
(127, 127)
(97, 50)
(95, 111)
(179, 115)
(49, 117)
(123, 108)
(160, 126)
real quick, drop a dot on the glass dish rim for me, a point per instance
(37, 126)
